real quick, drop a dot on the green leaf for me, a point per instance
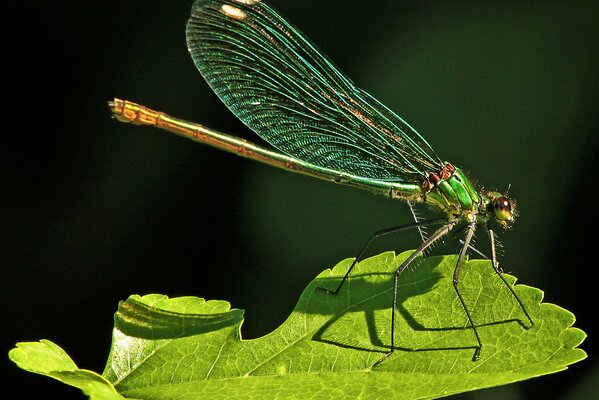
(188, 348)
(46, 358)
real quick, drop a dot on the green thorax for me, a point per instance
(455, 195)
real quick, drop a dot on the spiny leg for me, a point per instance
(475, 250)
(455, 234)
(421, 230)
(439, 233)
(456, 279)
(499, 272)
(377, 235)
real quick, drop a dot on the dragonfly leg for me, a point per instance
(375, 236)
(456, 279)
(455, 234)
(421, 228)
(499, 272)
(439, 233)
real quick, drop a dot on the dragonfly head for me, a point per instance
(501, 208)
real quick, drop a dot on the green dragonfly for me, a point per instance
(281, 86)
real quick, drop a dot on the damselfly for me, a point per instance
(282, 87)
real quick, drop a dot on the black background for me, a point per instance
(94, 210)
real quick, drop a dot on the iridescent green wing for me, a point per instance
(279, 84)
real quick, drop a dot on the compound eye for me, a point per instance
(502, 208)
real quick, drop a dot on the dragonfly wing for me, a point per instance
(283, 88)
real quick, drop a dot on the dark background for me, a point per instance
(94, 210)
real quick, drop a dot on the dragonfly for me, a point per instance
(320, 124)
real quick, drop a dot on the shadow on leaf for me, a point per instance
(426, 318)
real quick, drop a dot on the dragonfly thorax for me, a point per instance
(451, 192)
